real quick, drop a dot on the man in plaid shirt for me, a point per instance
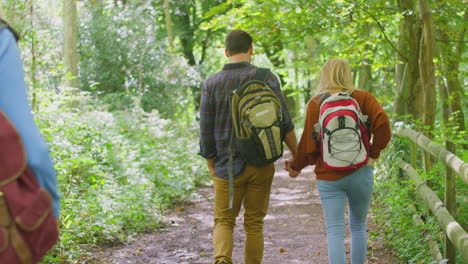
(252, 185)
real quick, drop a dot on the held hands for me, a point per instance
(292, 173)
(370, 162)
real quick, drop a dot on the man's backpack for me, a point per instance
(342, 132)
(258, 121)
(258, 127)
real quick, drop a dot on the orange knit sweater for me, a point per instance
(308, 152)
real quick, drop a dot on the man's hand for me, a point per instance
(292, 173)
(370, 162)
(211, 166)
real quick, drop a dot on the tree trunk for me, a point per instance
(408, 96)
(365, 73)
(273, 55)
(70, 43)
(426, 64)
(365, 76)
(443, 97)
(33, 86)
(186, 36)
(450, 57)
(170, 34)
(450, 195)
(311, 80)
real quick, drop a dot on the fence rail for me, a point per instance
(456, 236)
(437, 151)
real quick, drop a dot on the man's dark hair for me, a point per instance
(238, 41)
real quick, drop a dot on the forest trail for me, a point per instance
(294, 230)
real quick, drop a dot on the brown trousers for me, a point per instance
(251, 189)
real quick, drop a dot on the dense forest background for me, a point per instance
(115, 88)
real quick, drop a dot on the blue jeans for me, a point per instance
(357, 189)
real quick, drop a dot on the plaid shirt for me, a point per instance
(215, 114)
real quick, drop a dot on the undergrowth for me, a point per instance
(117, 171)
(395, 192)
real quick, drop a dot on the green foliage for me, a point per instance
(40, 41)
(299, 36)
(117, 171)
(124, 58)
(392, 211)
(119, 167)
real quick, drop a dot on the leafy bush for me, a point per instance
(117, 171)
(123, 56)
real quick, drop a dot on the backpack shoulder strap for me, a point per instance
(12, 155)
(319, 99)
(324, 96)
(261, 74)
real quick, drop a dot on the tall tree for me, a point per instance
(170, 33)
(426, 72)
(70, 43)
(426, 64)
(188, 16)
(408, 84)
(274, 53)
(34, 41)
(365, 71)
(451, 53)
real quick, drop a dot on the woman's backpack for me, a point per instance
(28, 228)
(343, 132)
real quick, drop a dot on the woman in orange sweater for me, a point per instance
(338, 186)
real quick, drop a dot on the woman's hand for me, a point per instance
(292, 173)
(370, 162)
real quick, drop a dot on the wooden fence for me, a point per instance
(456, 236)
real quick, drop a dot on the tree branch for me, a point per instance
(459, 41)
(382, 30)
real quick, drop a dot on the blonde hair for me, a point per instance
(336, 75)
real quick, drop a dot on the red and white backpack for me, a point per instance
(342, 132)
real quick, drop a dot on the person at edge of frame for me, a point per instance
(15, 104)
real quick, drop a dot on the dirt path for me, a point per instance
(294, 231)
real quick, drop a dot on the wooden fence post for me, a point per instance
(450, 203)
